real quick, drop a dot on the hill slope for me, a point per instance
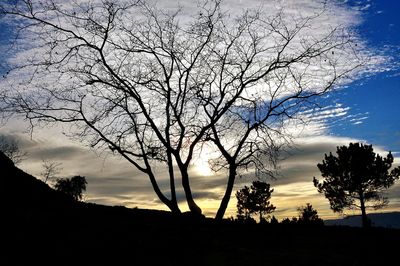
(388, 220)
(21, 191)
(24, 195)
(43, 227)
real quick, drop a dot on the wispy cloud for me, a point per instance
(112, 181)
(115, 182)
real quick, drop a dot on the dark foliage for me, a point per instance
(20, 191)
(254, 200)
(274, 221)
(66, 232)
(74, 186)
(309, 216)
(355, 177)
(287, 221)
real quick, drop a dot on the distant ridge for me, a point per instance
(387, 220)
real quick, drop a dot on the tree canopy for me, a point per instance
(155, 86)
(254, 200)
(356, 178)
(309, 216)
(74, 186)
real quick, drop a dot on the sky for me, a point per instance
(364, 110)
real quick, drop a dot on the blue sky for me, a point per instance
(377, 97)
(370, 108)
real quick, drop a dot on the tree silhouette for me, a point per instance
(356, 176)
(254, 200)
(274, 221)
(74, 186)
(243, 203)
(309, 215)
(9, 146)
(50, 170)
(154, 87)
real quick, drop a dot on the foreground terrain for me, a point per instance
(96, 235)
(42, 227)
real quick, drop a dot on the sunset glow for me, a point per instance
(364, 108)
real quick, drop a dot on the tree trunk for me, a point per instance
(365, 221)
(172, 185)
(228, 192)
(173, 206)
(193, 207)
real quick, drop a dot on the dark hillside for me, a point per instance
(43, 227)
(21, 191)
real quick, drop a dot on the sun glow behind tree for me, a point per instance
(107, 71)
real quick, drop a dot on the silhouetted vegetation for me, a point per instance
(35, 218)
(254, 200)
(23, 193)
(309, 215)
(50, 170)
(288, 221)
(74, 186)
(9, 146)
(274, 221)
(155, 87)
(355, 177)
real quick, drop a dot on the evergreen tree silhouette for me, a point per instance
(355, 177)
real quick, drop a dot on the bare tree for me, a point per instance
(50, 170)
(9, 146)
(268, 76)
(154, 88)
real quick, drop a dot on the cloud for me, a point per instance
(367, 6)
(57, 153)
(114, 181)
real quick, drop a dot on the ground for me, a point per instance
(40, 226)
(98, 235)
